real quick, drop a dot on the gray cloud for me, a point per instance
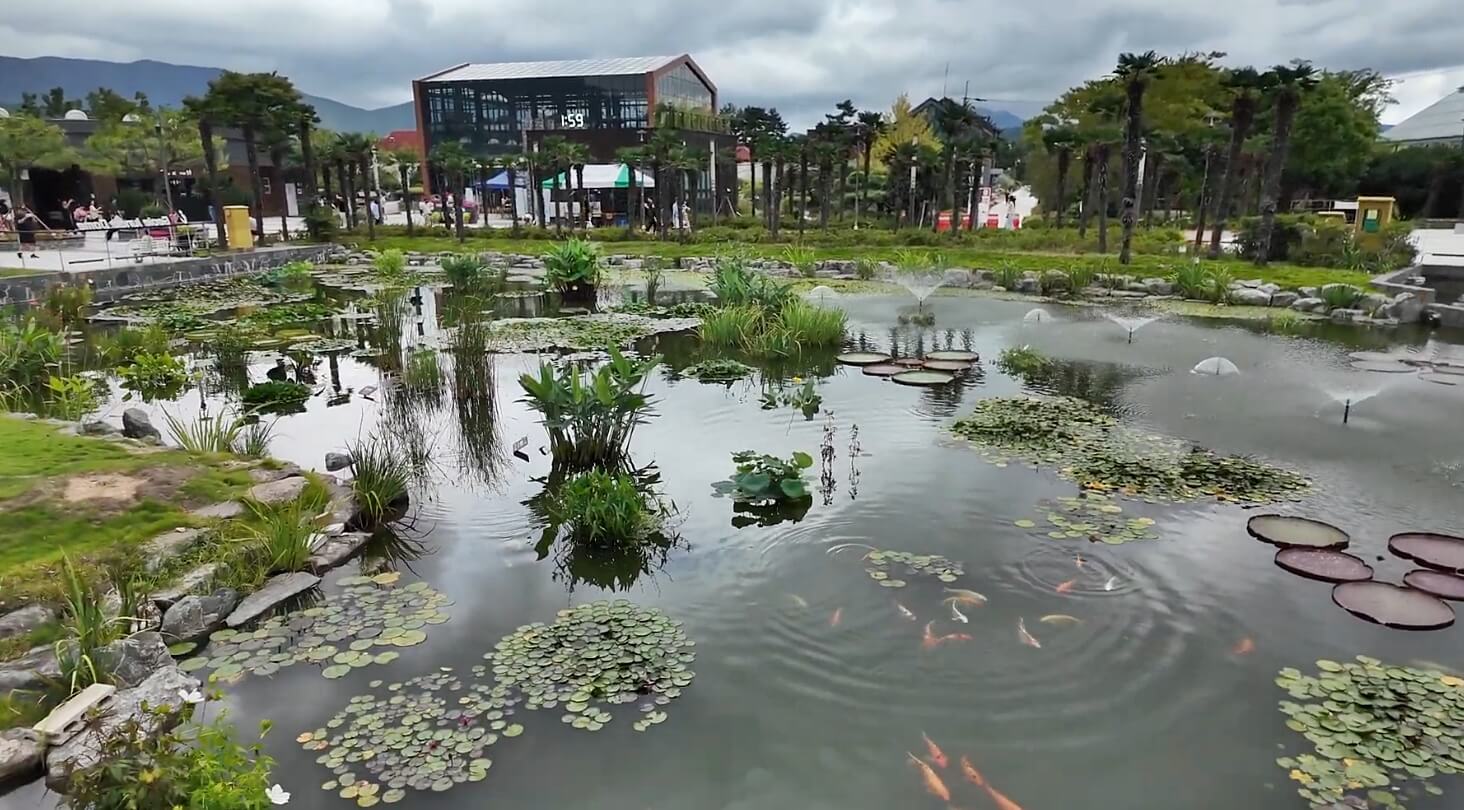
(798, 55)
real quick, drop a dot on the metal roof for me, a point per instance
(627, 66)
(1441, 122)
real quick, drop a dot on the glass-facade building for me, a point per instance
(606, 103)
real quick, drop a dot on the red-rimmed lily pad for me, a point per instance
(1439, 379)
(923, 377)
(862, 358)
(1324, 565)
(1393, 605)
(909, 362)
(883, 370)
(1444, 586)
(946, 365)
(1442, 552)
(1384, 366)
(964, 357)
(1288, 531)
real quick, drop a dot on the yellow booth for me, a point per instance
(237, 227)
(1373, 214)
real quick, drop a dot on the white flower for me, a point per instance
(277, 795)
(190, 696)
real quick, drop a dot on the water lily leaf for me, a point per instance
(336, 671)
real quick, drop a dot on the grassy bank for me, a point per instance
(1286, 275)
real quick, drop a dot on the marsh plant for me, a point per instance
(786, 332)
(466, 271)
(735, 286)
(1007, 276)
(803, 259)
(605, 509)
(230, 345)
(169, 758)
(153, 376)
(763, 478)
(253, 440)
(654, 275)
(381, 477)
(281, 533)
(1021, 360)
(573, 268)
(217, 434)
(1340, 296)
(866, 269)
(591, 415)
(802, 398)
(71, 397)
(1285, 322)
(276, 396)
(389, 268)
(717, 370)
(1201, 283)
(88, 629)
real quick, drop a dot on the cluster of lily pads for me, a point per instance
(887, 567)
(367, 623)
(1090, 516)
(935, 368)
(601, 652)
(717, 370)
(1093, 449)
(426, 733)
(1379, 732)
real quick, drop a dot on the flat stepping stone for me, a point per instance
(331, 552)
(219, 511)
(277, 590)
(24, 620)
(197, 579)
(277, 492)
(158, 551)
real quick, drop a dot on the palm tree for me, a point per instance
(513, 162)
(256, 103)
(1085, 197)
(405, 159)
(455, 163)
(278, 144)
(199, 109)
(664, 150)
(871, 126)
(577, 155)
(305, 127)
(1288, 85)
(633, 157)
(1103, 133)
(688, 163)
(554, 158)
(356, 149)
(953, 120)
(1135, 71)
(1059, 142)
(1243, 84)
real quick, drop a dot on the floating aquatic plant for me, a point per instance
(888, 567)
(1379, 732)
(367, 623)
(1090, 516)
(717, 370)
(601, 652)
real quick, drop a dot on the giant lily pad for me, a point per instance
(1443, 552)
(1288, 531)
(1393, 605)
(957, 356)
(1444, 586)
(1324, 565)
(1384, 366)
(883, 370)
(946, 365)
(909, 362)
(923, 377)
(862, 358)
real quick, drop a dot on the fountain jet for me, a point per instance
(1131, 325)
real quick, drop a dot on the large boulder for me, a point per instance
(281, 491)
(137, 425)
(1158, 286)
(277, 590)
(333, 550)
(96, 427)
(20, 622)
(132, 659)
(1284, 298)
(1250, 297)
(83, 750)
(957, 277)
(1341, 315)
(30, 671)
(195, 580)
(1029, 283)
(337, 461)
(1406, 308)
(1372, 302)
(1309, 304)
(20, 755)
(194, 617)
(159, 551)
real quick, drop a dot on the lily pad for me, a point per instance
(883, 369)
(1324, 565)
(182, 648)
(862, 358)
(923, 378)
(909, 362)
(1288, 531)
(1442, 552)
(957, 356)
(947, 365)
(1384, 366)
(1393, 605)
(1444, 586)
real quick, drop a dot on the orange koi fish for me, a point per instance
(1066, 586)
(1002, 802)
(965, 597)
(1245, 647)
(955, 637)
(904, 611)
(1025, 637)
(837, 617)
(933, 785)
(972, 775)
(929, 641)
(936, 755)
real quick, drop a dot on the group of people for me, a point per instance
(26, 224)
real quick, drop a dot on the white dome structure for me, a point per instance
(1038, 315)
(1215, 366)
(130, 118)
(4, 113)
(75, 115)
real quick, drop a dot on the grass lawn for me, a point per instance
(90, 499)
(7, 272)
(1286, 275)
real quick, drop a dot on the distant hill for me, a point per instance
(166, 85)
(1002, 119)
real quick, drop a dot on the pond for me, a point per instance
(1086, 674)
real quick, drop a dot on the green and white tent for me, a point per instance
(604, 175)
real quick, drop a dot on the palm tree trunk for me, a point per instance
(210, 166)
(277, 157)
(1240, 122)
(251, 155)
(406, 194)
(1150, 196)
(1204, 201)
(307, 156)
(685, 178)
(767, 168)
(513, 212)
(1271, 187)
(962, 194)
(660, 198)
(1086, 207)
(863, 182)
(366, 186)
(948, 191)
(802, 189)
(457, 207)
(558, 211)
(777, 206)
(1102, 195)
(347, 193)
(752, 186)
(825, 192)
(843, 185)
(584, 195)
(1064, 163)
(325, 186)
(1132, 154)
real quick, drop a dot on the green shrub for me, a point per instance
(381, 477)
(1192, 280)
(735, 285)
(803, 259)
(276, 396)
(1339, 296)
(70, 397)
(466, 271)
(28, 353)
(1288, 232)
(322, 223)
(390, 267)
(717, 370)
(291, 274)
(591, 416)
(1021, 360)
(605, 509)
(127, 343)
(865, 268)
(230, 344)
(1217, 290)
(570, 264)
(171, 759)
(154, 376)
(761, 478)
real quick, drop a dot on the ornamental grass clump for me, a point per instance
(381, 477)
(206, 435)
(605, 510)
(591, 415)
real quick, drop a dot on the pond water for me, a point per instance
(811, 685)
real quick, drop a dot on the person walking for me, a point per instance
(26, 226)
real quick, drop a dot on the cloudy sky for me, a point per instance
(798, 55)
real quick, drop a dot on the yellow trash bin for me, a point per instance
(1373, 214)
(237, 227)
